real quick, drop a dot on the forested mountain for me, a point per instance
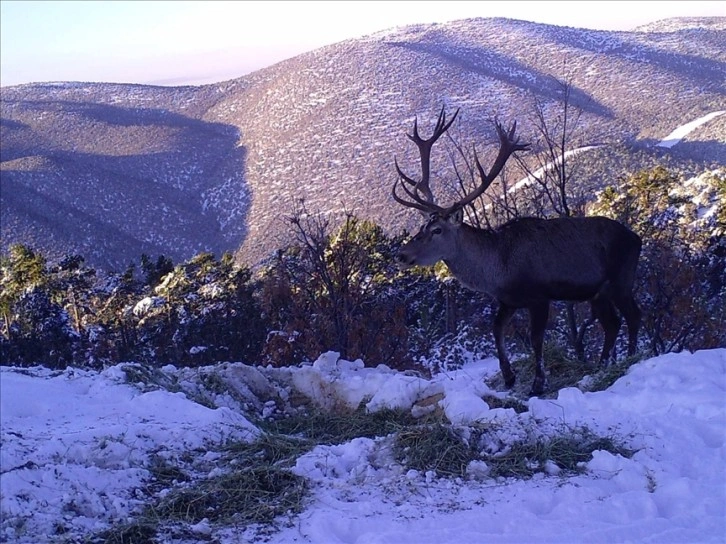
(112, 171)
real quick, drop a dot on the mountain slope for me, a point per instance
(114, 170)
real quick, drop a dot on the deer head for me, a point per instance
(435, 240)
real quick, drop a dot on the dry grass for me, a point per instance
(324, 427)
(434, 447)
(254, 495)
(254, 486)
(568, 452)
(439, 448)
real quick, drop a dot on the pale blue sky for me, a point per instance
(167, 42)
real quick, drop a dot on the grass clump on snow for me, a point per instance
(269, 449)
(434, 447)
(323, 427)
(441, 449)
(254, 487)
(253, 495)
(564, 453)
(256, 491)
(134, 532)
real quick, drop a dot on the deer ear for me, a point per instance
(456, 218)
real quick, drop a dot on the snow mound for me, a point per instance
(77, 445)
(77, 448)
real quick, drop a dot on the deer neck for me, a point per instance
(475, 260)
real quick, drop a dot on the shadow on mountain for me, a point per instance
(10, 124)
(118, 115)
(49, 223)
(106, 197)
(67, 125)
(506, 69)
(707, 71)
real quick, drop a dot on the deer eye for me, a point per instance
(436, 230)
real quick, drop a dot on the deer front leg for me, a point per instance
(504, 314)
(538, 316)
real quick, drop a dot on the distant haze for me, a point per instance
(176, 43)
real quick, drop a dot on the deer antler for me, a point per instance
(413, 188)
(508, 144)
(419, 192)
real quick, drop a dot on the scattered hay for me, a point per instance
(270, 449)
(165, 474)
(567, 452)
(134, 532)
(440, 448)
(254, 495)
(435, 448)
(324, 427)
(252, 484)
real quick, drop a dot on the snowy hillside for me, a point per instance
(110, 171)
(79, 449)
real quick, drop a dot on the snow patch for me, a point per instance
(76, 449)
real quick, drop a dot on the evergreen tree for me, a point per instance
(203, 311)
(684, 297)
(20, 271)
(36, 328)
(155, 271)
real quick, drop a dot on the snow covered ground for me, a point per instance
(681, 132)
(77, 445)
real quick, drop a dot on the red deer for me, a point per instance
(527, 262)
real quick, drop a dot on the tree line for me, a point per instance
(335, 287)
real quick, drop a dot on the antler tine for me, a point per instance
(424, 205)
(424, 145)
(508, 144)
(414, 137)
(418, 203)
(441, 126)
(403, 176)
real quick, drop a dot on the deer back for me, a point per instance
(531, 259)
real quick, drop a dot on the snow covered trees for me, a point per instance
(683, 262)
(36, 328)
(202, 311)
(199, 312)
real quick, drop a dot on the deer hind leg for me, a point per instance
(632, 314)
(604, 311)
(504, 314)
(538, 316)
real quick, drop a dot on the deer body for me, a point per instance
(527, 262)
(531, 259)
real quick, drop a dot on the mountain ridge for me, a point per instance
(111, 170)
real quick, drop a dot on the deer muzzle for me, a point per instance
(404, 260)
